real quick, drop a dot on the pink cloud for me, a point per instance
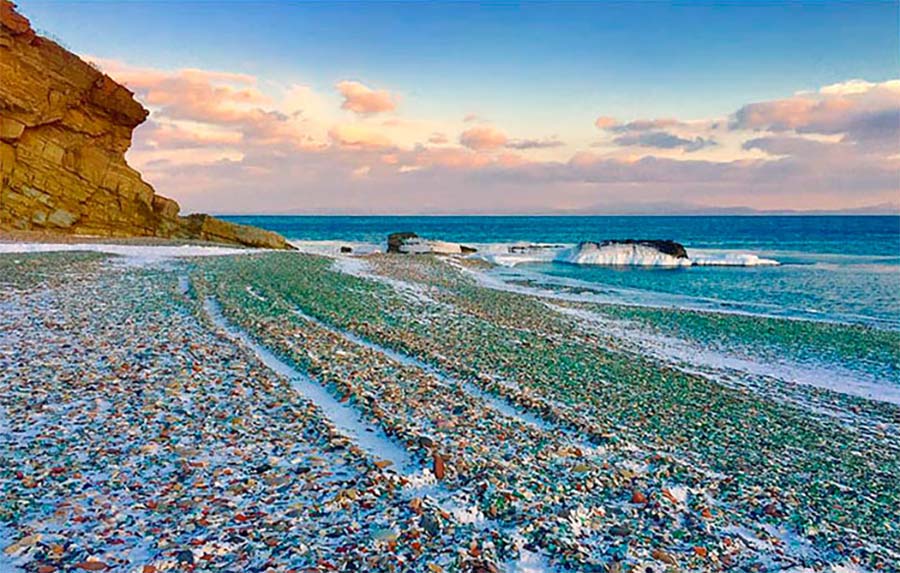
(605, 122)
(362, 99)
(863, 112)
(215, 139)
(453, 158)
(175, 136)
(483, 138)
(191, 94)
(358, 137)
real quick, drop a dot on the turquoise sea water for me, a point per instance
(843, 268)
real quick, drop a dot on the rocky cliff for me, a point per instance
(64, 131)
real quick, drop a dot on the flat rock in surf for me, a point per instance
(412, 244)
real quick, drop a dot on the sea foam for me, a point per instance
(619, 254)
(615, 254)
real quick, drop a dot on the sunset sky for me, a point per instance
(625, 107)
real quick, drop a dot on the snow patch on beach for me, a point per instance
(347, 420)
(681, 352)
(133, 254)
(369, 437)
(528, 561)
(9, 562)
(360, 268)
(497, 404)
(333, 248)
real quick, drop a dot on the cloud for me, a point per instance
(362, 99)
(453, 158)
(191, 94)
(861, 111)
(483, 138)
(488, 138)
(655, 133)
(358, 137)
(185, 135)
(215, 139)
(663, 140)
(534, 143)
(611, 124)
(605, 122)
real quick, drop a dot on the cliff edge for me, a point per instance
(64, 131)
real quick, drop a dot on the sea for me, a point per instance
(832, 268)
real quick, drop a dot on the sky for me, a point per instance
(502, 107)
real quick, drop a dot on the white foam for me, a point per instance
(512, 254)
(703, 258)
(621, 254)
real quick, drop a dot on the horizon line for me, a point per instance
(751, 214)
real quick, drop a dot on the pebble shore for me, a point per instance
(155, 419)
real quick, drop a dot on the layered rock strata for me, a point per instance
(64, 129)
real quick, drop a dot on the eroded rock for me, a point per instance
(64, 130)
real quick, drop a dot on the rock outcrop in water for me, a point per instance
(64, 131)
(670, 248)
(628, 252)
(412, 244)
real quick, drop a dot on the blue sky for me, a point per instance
(629, 58)
(532, 72)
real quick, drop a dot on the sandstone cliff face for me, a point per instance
(64, 131)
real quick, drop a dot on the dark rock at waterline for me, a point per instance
(396, 240)
(667, 247)
(411, 243)
(346, 249)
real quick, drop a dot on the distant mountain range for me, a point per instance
(646, 209)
